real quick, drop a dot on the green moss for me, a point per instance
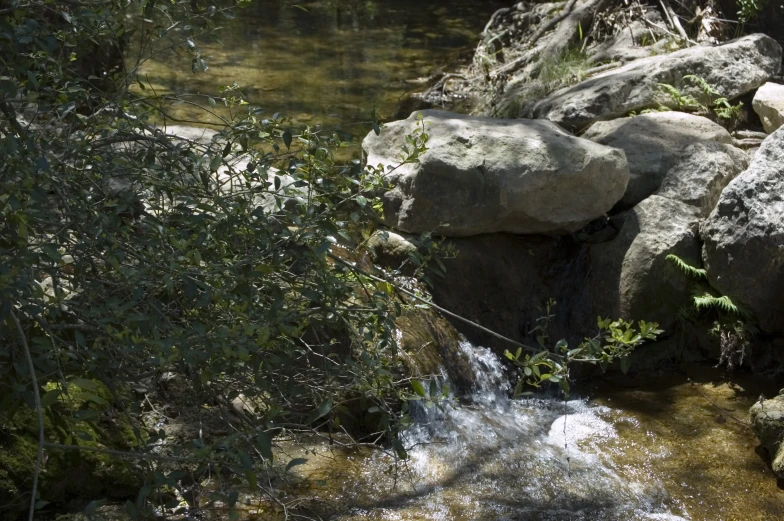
(66, 475)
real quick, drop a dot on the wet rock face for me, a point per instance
(768, 103)
(503, 282)
(734, 68)
(653, 144)
(767, 421)
(744, 237)
(483, 175)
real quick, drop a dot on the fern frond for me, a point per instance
(723, 303)
(688, 269)
(669, 89)
(706, 87)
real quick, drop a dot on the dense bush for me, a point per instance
(127, 253)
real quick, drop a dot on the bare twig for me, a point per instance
(38, 410)
(552, 22)
(675, 22)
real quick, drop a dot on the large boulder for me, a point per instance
(744, 237)
(630, 276)
(733, 69)
(768, 103)
(702, 172)
(767, 422)
(483, 175)
(653, 144)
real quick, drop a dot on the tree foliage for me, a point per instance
(128, 251)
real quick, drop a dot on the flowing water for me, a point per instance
(665, 450)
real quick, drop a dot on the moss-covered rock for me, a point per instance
(429, 344)
(66, 475)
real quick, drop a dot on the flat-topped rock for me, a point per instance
(733, 69)
(484, 175)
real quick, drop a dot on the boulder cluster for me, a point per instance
(584, 197)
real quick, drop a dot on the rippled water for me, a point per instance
(660, 448)
(500, 459)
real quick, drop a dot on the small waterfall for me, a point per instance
(494, 458)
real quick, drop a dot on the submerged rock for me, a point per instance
(768, 103)
(483, 175)
(430, 345)
(702, 172)
(767, 421)
(744, 237)
(733, 69)
(653, 144)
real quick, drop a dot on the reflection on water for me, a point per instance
(331, 61)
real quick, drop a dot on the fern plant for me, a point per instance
(732, 324)
(711, 101)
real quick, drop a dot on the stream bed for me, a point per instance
(665, 448)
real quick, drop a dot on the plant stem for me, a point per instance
(38, 409)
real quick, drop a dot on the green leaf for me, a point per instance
(418, 388)
(400, 449)
(264, 444)
(324, 408)
(50, 398)
(87, 385)
(93, 398)
(215, 163)
(287, 138)
(253, 480)
(130, 508)
(625, 364)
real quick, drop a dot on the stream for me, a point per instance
(664, 447)
(643, 449)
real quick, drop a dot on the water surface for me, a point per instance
(329, 62)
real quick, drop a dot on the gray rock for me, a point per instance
(767, 422)
(390, 249)
(630, 277)
(744, 237)
(203, 136)
(768, 103)
(483, 175)
(702, 172)
(734, 69)
(653, 144)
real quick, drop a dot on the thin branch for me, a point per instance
(439, 308)
(38, 410)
